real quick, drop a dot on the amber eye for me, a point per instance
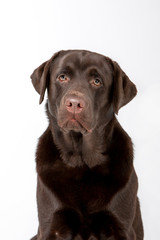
(96, 82)
(63, 78)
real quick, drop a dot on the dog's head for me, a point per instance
(85, 89)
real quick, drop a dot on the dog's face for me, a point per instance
(79, 90)
(84, 89)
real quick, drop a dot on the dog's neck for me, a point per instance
(77, 150)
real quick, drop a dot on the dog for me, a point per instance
(87, 185)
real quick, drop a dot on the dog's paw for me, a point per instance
(65, 225)
(64, 234)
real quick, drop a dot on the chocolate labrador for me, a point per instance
(87, 185)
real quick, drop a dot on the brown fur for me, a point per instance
(87, 185)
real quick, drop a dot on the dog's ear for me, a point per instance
(123, 90)
(40, 77)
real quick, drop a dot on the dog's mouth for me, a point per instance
(76, 124)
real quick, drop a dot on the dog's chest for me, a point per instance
(80, 187)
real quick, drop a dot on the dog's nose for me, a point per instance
(74, 104)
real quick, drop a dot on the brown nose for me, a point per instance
(74, 104)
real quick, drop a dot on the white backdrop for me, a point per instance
(31, 31)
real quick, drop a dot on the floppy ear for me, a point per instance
(40, 77)
(124, 90)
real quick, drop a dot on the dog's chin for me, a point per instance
(74, 125)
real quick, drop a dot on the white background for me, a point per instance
(31, 31)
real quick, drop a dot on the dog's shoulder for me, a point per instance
(46, 150)
(120, 138)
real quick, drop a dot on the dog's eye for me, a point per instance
(63, 78)
(96, 82)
